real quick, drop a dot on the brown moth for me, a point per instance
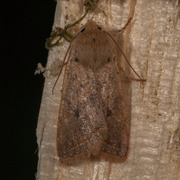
(93, 119)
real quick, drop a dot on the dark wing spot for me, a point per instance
(76, 59)
(109, 59)
(82, 29)
(94, 39)
(108, 113)
(99, 28)
(77, 114)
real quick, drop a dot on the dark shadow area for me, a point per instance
(25, 26)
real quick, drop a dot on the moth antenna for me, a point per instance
(63, 63)
(123, 28)
(129, 77)
(125, 58)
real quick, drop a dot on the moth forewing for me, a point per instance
(93, 116)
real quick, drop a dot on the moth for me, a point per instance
(93, 118)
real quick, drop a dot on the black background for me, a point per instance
(25, 25)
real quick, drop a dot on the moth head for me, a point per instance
(92, 47)
(90, 26)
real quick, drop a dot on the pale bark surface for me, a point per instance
(154, 50)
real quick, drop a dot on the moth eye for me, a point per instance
(108, 113)
(82, 29)
(99, 28)
(76, 59)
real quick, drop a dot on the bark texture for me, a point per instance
(153, 47)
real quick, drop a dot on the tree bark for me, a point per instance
(153, 47)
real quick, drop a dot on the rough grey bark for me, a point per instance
(153, 46)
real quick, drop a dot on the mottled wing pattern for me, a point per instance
(93, 116)
(81, 125)
(115, 147)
